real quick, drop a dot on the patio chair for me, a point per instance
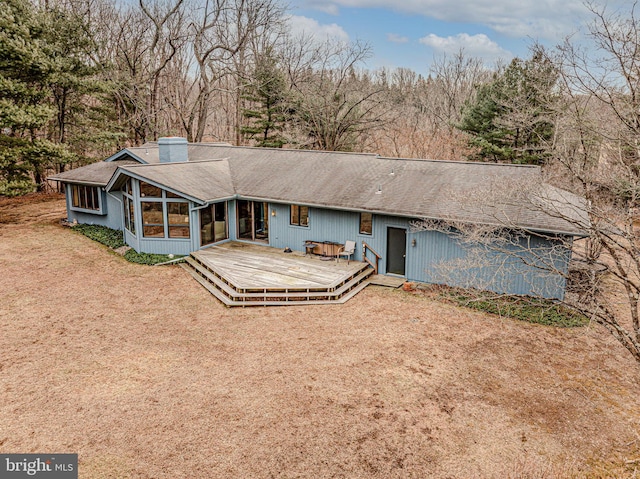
(347, 250)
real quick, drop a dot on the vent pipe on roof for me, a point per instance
(173, 149)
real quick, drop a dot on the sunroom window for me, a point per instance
(178, 219)
(128, 207)
(164, 214)
(149, 191)
(152, 219)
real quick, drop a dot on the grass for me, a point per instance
(524, 308)
(113, 239)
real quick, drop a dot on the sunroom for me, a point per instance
(161, 215)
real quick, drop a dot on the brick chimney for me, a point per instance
(173, 149)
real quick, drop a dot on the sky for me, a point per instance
(411, 33)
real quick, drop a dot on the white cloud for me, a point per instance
(308, 27)
(330, 8)
(395, 38)
(544, 19)
(478, 45)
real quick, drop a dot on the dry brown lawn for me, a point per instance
(145, 375)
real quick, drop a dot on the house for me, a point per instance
(171, 197)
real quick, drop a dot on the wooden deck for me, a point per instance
(244, 274)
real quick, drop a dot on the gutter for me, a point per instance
(76, 182)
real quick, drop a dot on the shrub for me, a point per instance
(113, 239)
(102, 234)
(524, 308)
(147, 258)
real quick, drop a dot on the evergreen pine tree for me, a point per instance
(267, 93)
(510, 118)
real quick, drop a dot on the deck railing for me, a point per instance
(366, 248)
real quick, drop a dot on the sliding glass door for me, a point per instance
(253, 220)
(213, 223)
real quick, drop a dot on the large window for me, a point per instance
(152, 219)
(366, 223)
(299, 215)
(85, 197)
(164, 214)
(178, 214)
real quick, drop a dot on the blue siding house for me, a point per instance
(173, 197)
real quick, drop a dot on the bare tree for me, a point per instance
(335, 102)
(455, 81)
(224, 34)
(423, 113)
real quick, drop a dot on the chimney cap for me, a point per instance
(172, 139)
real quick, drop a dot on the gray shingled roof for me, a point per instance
(97, 174)
(463, 191)
(202, 180)
(149, 152)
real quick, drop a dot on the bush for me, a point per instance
(147, 258)
(113, 239)
(524, 308)
(102, 234)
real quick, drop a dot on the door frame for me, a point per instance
(391, 251)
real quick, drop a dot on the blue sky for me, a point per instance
(411, 33)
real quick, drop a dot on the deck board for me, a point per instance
(250, 266)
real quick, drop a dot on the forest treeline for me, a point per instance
(80, 79)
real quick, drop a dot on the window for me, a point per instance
(178, 214)
(128, 207)
(299, 215)
(152, 219)
(366, 223)
(163, 214)
(149, 191)
(85, 197)
(129, 218)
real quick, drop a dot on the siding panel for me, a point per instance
(436, 258)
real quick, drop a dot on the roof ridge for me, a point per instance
(461, 162)
(288, 150)
(189, 162)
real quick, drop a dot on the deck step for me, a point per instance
(224, 290)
